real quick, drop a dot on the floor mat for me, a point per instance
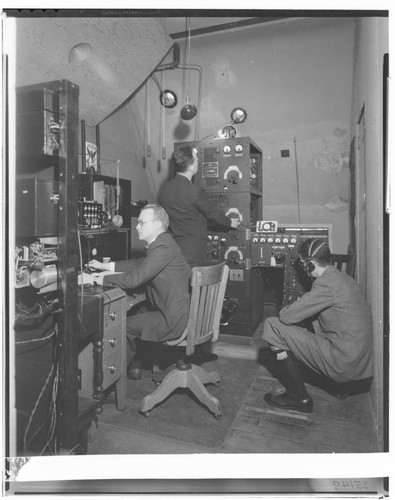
(181, 416)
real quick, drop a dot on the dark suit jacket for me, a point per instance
(166, 275)
(189, 208)
(343, 319)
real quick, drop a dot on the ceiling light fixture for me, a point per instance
(167, 97)
(237, 115)
(80, 53)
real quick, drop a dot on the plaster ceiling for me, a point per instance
(179, 24)
(124, 53)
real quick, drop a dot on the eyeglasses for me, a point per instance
(142, 222)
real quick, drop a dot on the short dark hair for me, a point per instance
(307, 248)
(182, 158)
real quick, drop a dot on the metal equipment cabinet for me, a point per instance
(230, 172)
(47, 126)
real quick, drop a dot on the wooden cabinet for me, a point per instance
(102, 363)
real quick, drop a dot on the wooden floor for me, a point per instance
(340, 426)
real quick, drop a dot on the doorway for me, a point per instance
(360, 202)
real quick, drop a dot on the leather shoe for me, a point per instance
(340, 395)
(134, 373)
(157, 377)
(287, 402)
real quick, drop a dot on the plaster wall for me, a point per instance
(372, 43)
(295, 81)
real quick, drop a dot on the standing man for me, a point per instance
(190, 208)
(341, 347)
(163, 273)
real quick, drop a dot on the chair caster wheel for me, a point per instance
(157, 382)
(217, 416)
(217, 384)
(145, 414)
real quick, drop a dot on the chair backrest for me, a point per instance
(344, 262)
(208, 285)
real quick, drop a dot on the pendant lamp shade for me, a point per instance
(189, 111)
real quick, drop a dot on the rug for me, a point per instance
(181, 416)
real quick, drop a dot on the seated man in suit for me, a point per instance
(165, 275)
(340, 348)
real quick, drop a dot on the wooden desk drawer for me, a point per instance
(112, 339)
(113, 314)
(112, 368)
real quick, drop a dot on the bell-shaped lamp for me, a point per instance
(238, 115)
(189, 111)
(168, 98)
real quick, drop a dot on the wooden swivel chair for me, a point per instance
(207, 296)
(344, 262)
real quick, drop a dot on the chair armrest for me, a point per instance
(182, 338)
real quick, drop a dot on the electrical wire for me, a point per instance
(163, 117)
(297, 180)
(148, 114)
(189, 57)
(52, 428)
(30, 341)
(33, 412)
(81, 273)
(38, 313)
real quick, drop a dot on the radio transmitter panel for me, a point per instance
(230, 172)
(278, 249)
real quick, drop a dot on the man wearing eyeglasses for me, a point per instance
(340, 347)
(165, 275)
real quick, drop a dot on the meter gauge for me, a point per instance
(226, 149)
(239, 148)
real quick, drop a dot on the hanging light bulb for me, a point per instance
(189, 111)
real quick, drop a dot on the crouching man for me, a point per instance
(340, 347)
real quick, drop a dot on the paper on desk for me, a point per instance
(85, 278)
